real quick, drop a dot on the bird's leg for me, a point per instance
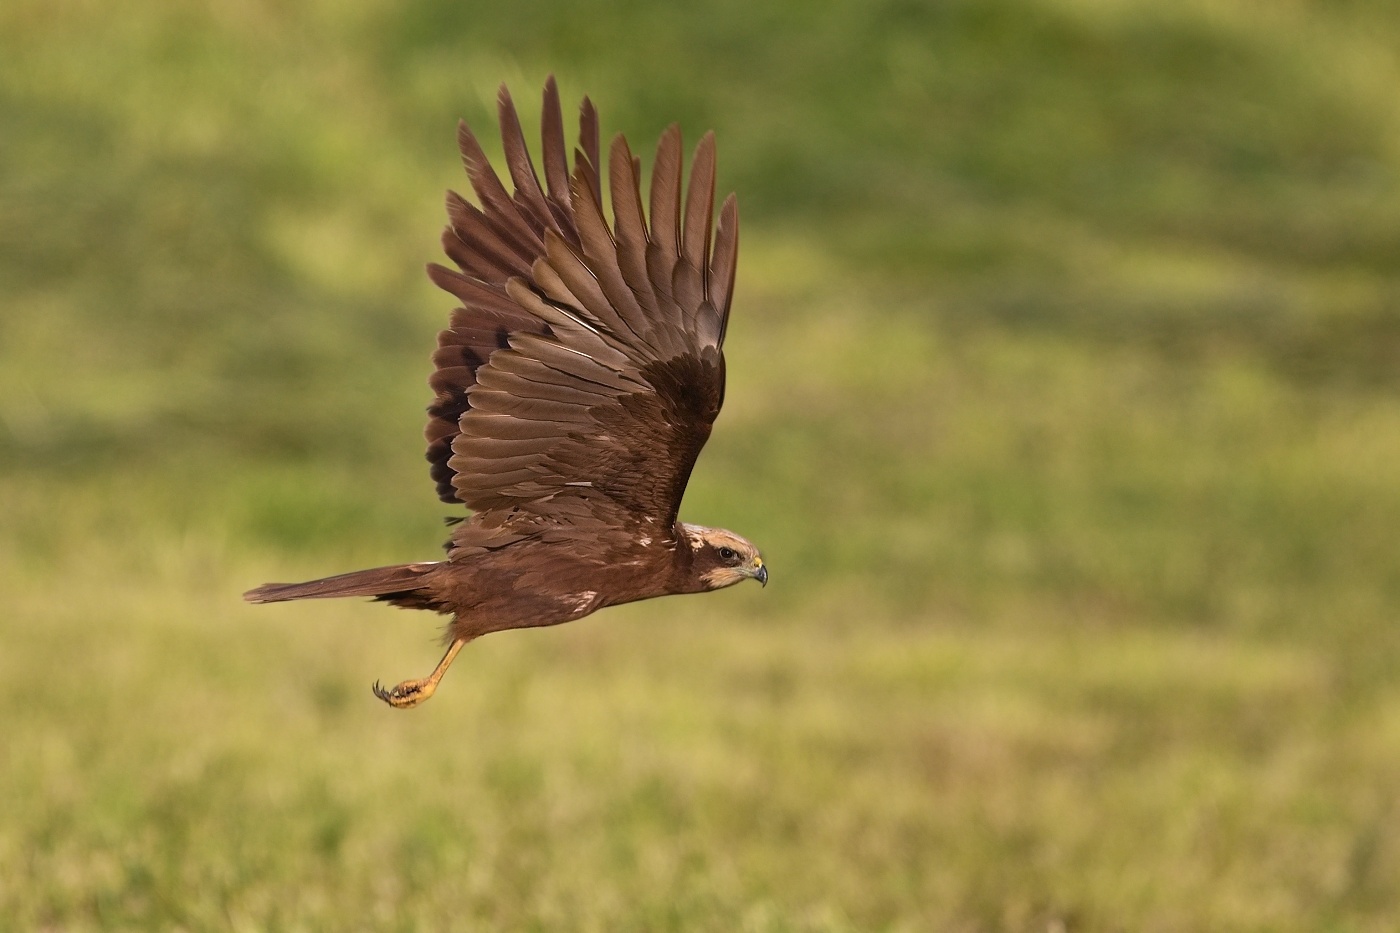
(412, 692)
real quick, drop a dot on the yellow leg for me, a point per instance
(412, 692)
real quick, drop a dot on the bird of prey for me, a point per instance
(574, 388)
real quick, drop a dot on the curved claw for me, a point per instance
(410, 693)
(407, 694)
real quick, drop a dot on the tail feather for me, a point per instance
(399, 580)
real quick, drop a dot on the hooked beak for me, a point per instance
(760, 573)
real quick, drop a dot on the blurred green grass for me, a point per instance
(1063, 403)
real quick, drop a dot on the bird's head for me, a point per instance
(722, 558)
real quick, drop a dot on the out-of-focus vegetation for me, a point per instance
(1064, 402)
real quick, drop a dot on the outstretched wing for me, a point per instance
(584, 369)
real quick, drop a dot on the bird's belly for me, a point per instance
(577, 605)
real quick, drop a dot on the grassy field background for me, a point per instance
(1064, 403)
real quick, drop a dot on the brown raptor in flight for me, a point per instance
(574, 389)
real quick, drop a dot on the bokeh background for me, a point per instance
(1064, 402)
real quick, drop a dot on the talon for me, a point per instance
(410, 693)
(407, 694)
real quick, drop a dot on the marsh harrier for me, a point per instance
(575, 387)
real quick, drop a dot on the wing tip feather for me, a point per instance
(704, 241)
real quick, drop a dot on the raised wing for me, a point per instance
(584, 368)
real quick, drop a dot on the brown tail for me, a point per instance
(384, 582)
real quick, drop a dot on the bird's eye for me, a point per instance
(727, 553)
